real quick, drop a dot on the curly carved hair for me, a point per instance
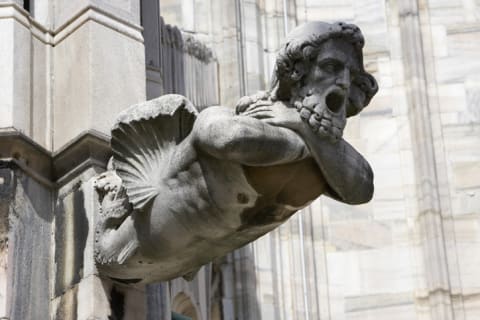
(301, 48)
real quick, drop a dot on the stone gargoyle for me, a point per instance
(184, 187)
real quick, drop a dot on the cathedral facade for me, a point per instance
(69, 67)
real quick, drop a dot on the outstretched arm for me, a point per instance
(347, 172)
(219, 132)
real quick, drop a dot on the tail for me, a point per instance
(144, 139)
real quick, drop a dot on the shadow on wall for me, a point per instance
(238, 285)
(71, 231)
(178, 63)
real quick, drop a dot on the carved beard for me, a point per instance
(324, 112)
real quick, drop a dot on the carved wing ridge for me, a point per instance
(143, 141)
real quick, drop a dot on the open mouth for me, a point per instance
(335, 100)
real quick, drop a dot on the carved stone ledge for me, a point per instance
(18, 150)
(90, 148)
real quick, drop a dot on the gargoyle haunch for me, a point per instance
(185, 187)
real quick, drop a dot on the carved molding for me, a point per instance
(17, 150)
(55, 36)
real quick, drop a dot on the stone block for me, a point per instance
(331, 13)
(251, 22)
(74, 232)
(89, 299)
(154, 86)
(90, 86)
(252, 51)
(203, 19)
(367, 272)
(171, 12)
(151, 33)
(23, 76)
(439, 38)
(274, 32)
(465, 202)
(472, 87)
(40, 96)
(15, 74)
(79, 292)
(392, 308)
(42, 13)
(466, 175)
(72, 86)
(450, 14)
(369, 13)
(93, 299)
(188, 15)
(361, 233)
(25, 246)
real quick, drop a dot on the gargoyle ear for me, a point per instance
(363, 88)
(369, 86)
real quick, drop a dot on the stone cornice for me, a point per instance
(88, 149)
(18, 150)
(89, 13)
(102, 17)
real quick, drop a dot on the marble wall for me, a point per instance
(410, 252)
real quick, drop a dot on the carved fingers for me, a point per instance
(260, 112)
(277, 114)
(248, 102)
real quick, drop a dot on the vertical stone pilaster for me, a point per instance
(79, 291)
(99, 65)
(17, 74)
(152, 26)
(7, 195)
(434, 226)
(226, 43)
(158, 302)
(25, 246)
(253, 38)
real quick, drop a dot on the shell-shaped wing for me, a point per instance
(143, 140)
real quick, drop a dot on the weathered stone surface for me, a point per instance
(178, 62)
(15, 71)
(187, 187)
(87, 99)
(65, 11)
(25, 209)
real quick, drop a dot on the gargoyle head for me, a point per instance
(320, 70)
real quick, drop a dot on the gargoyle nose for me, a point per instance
(343, 79)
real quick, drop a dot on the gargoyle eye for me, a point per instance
(331, 66)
